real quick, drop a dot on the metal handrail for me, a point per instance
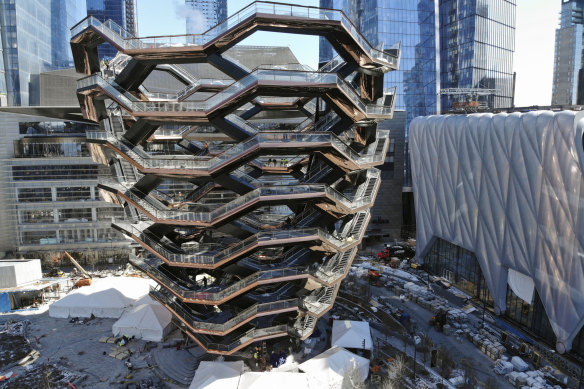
(125, 40)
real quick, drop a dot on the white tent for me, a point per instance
(87, 301)
(279, 380)
(105, 297)
(133, 288)
(147, 321)
(351, 334)
(146, 299)
(217, 375)
(329, 367)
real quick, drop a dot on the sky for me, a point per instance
(534, 40)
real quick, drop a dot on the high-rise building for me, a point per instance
(413, 24)
(64, 15)
(568, 58)
(477, 42)
(122, 12)
(461, 44)
(275, 190)
(204, 14)
(34, 39)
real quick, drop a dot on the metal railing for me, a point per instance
(293, 77)
(350, 235)
(236, 152)
(242, 316)
(126, 41)
(274, 193)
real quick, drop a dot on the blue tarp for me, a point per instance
(5, 302)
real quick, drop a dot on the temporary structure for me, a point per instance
(280, 380)
(331, 366)
(147, 321)
(106, 297)
(86, 302)
(217, 375)
(351, 334)
(146, 299)
(133, 288)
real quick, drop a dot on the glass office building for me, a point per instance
(384, 22)
(49, 189)
(568, 55)
(477, 41)
(204, 14)
(122, 12)
(444, 44)
(64, 15)
(34, 39)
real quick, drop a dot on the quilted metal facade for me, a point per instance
(510, 188)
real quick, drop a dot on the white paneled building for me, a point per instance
(500, 212)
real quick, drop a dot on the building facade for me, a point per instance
(477, 42)
(49, 191)
(568, 55)
(275, 190)
(34, 39)
(499, 214)
(444, 44)
(413, 24)
(121, 12)
(204, 14)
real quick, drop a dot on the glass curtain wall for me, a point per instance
(51, 186)
(115, 10)
(204, 15)
(386, 22)
(461, 267)
(477, 41)
(64, 15)
(35, 38)
(25, 27)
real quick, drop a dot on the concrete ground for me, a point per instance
(460, 350)
(76, 348)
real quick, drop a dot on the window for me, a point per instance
(69, 193)
(34, 195)
(75, 215)
(38, 216)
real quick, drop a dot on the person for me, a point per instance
(205, 148)
(204, 282)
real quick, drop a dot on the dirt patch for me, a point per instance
(12, 349)
(13, 344)
(43, 376)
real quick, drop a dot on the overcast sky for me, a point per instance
(534, 46)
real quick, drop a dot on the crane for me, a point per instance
(86, 278)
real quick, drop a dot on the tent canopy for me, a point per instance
(105, 297)
(351, 334)
(279, 380)
(330, 367)
(147, 321)
(217, 375)
(86, 302)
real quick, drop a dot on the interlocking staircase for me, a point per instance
(257, 243)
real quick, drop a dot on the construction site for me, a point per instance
(391, 323)
(245, 190)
